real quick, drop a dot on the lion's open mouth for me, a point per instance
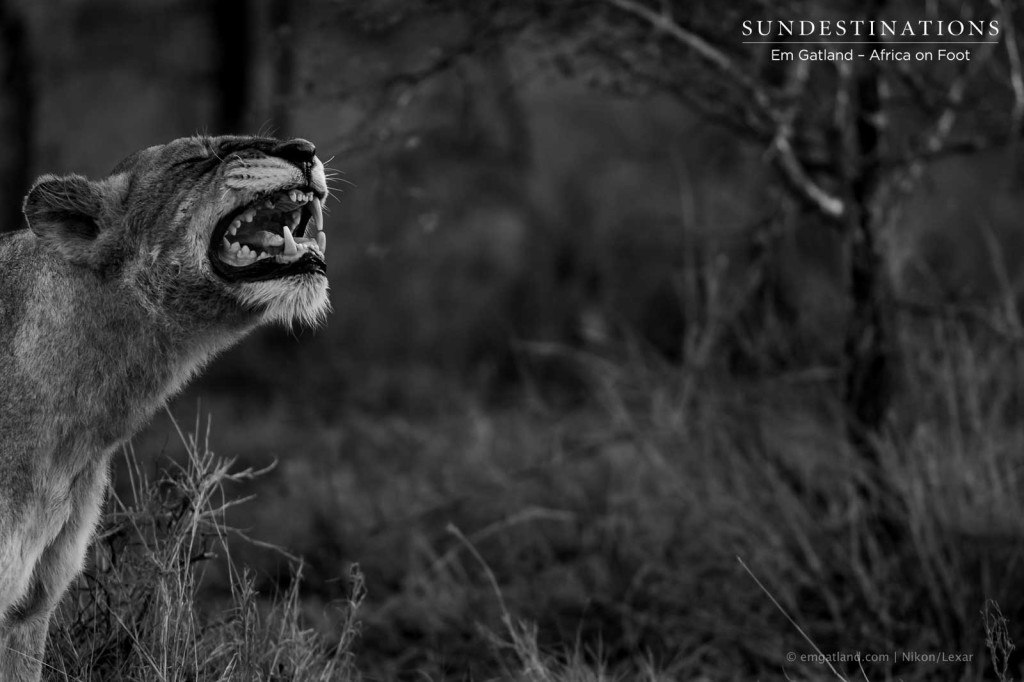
(268, 238)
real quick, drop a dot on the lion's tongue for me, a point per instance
(260, 233)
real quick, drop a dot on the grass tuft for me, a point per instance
(135, 614)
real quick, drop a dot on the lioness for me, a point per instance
(119, 291)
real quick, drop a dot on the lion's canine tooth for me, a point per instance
(290, 248)
(321, 241)
(226, 244)
(318, 215)
(235, 224)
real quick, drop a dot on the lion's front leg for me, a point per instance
(21, 639)
(22, 642)
(23, 634)
(20, 647)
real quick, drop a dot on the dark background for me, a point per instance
(591, 309)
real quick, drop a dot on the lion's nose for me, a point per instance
(296, 151)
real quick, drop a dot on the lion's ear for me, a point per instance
(65, 213)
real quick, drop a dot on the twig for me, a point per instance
(794, 173)
(506, 615)
(791, 621)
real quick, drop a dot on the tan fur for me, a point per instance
(108, 305)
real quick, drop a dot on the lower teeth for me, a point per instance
(249, 256)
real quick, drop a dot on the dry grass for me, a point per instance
(596, 542)
(134, 614)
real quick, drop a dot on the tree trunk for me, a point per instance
(283, 14)
(233, 40)
(868, 346)
(17, 108)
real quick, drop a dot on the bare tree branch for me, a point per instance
(936, 139)
(783, 153)
(664, 22)
(794, 173)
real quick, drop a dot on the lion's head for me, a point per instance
(228, 227)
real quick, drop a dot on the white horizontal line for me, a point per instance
(866, 42)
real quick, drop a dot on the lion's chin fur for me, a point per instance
(288, 302)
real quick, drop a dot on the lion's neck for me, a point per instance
(102, 363)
